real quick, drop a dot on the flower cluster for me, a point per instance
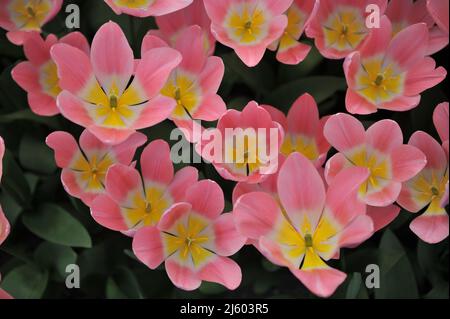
(299, 206)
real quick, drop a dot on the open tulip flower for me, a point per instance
(390, 73)
(441, 123)
(193, 239)
(303, 129)
(131, 202)
(339, 26)
(439, 11)
(193, 84)
(254, 160)
(248, 26)
(84, 167)
(289, 49)
(307, 225)
(380, 149)
(428, 188)
(96, 92)
(403, 13)
(171, 25)
(38, 76)
(20, 17)
(147, 8)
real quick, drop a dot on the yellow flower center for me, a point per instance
(185, 91)
(246, 23)
(48, 78)
(29, 15)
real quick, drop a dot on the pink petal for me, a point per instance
(4, 226)
(401, 103)
(222, 270)
(42, 104)
(153, 112)
(124, 152)
(335, 165)
(322, 282)
(344, 132)
(110, 136)
(423, 76)
(382, 216)
(70, 180)
(112, 57)
(121, 181)
(384, 136)
(384, 196)
(190, 44)
(407, 161)
(305, 199)
(26, 76)
(173, 215)
(211, 108)
(36, 49)
(303, 117)
(77, 40)
(293, 55)
(65, 147)
(148, 247)
(435, 155)
(439, 11)
(206, 198)
(156, 164)
(441, 120)
(107, 213)
(256, 214)
(228, 240)
(181, 276)
(357, 231)
(276, 116)
(431, 228)
(377, 41)
(211, 76)
(356, 104)
(182, 180)
(151, 41)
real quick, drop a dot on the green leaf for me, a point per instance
(123, 284)
(356, 288)
(397, 276)
(26, 282)
(439, 292)
(113, 290)
(211, 288)
(431, 259)
(13, 180)
(35, 156)
(29, 116)
(55, 257)
(320, 87)
(55, 225)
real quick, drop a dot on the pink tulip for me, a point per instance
(239, 155)
(131, 202)
(339, 26)
(439, 11)
(307, 225)
(84, 168)
(303, 129)
(379, 149)
(171, 25)
(248, 26)
(38, 76)
(193, 239)
(147, 8)
(428, 189)
(20, 17)
(390, 73)
(289, 49)
(194, 83)
(403, 13)
(97, 92)
(441, 123)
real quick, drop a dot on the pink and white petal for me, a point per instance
(256, 214)
(401, 103)
(356, 104)
(357, 231)
(169, 219)
(439, 11)
(65, 147)
(148, 246)
(227, 240)
(182, 180)
(408, 46)
(344, 132)
(152, 41)
(303, 117)
(377, 41)
(384, 136)
(384, 196)
(107, 213)
(4, 226)
(274, 253)
(242, 188)
(112, 57)
(436, 158)
(211, 108)
(305, 199)
(323, 282)
(351, 66)
(341, 198)
(153, 112)
(382, 216)
(181, 276)
(156, 165)
(407, 161)
(26, 76)
(124, 152)
(217, 10)
(444, 199)
(206, 198)
(423, 76)
(153, 70)
(441, 120)
(42, 104)
(71, 184)
(191, 46)
(36, 49)
(222, 270)
(431, 228)
(335, 165)
(121, 182)
(159, 7)
(77, 40)
(293, 55)
(212, 74)
(277, 116)
(112, 136)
